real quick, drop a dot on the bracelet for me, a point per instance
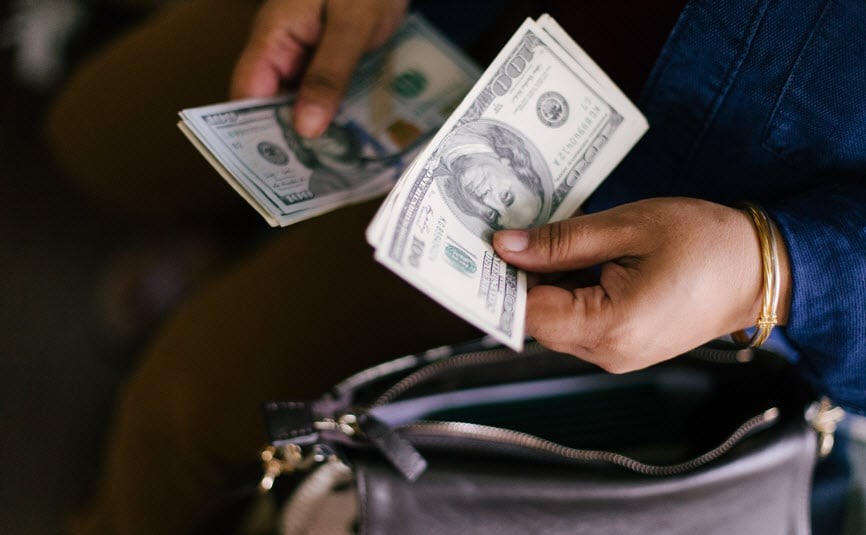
(770, 267)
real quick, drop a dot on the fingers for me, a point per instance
(567, 245)
(279, 38)
(574, 319)
(597, 318)
(285, 31)
(262, 67)
(567, 320)
(585, 322)
(348, 29)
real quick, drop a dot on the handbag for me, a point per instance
(480, 439)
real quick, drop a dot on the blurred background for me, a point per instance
(71, 317)
(78, 291)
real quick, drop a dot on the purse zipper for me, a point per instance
(468, 359)
(533, 443)
(503, 354)
(823, 416)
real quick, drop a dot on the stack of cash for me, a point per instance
(398, 98)
(538, 132)
(534, 136)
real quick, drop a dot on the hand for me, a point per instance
(675, 273)
(283, 33)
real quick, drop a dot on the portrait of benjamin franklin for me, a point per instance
(492, 177)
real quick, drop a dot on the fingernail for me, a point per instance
(311, 119)
(512, 240)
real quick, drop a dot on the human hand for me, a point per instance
(675, 273)
(336, 32)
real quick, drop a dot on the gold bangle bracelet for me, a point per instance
(770, 268)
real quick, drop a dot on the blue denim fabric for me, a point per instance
(765, 100)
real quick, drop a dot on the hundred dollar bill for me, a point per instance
(534, 137)
(398, 98)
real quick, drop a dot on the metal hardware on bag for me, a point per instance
(279, 460)
(399, 452)
(345, 423)
(824, 417)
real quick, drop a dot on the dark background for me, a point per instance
(60, 365)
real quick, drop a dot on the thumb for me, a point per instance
(567, 245)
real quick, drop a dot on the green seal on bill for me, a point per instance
(460, 259)
(409, 84)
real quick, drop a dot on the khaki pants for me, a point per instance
(301, 312)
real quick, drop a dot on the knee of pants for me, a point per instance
(181, 412)
(112, 129)
(159, 477)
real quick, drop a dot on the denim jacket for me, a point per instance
(765, 100)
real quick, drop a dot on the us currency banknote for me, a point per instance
(538, 132)
(398, 98)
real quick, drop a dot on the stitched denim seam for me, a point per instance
(745, 47)
(817, 30)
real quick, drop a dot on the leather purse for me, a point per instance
(479, 439)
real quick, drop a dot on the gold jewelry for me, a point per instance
(770, 268)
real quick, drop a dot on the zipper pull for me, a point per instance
(824, 417)
(396, 449)
(399, 451)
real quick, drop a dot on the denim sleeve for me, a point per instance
(825, 233)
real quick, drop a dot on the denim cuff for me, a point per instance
(825, 233)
